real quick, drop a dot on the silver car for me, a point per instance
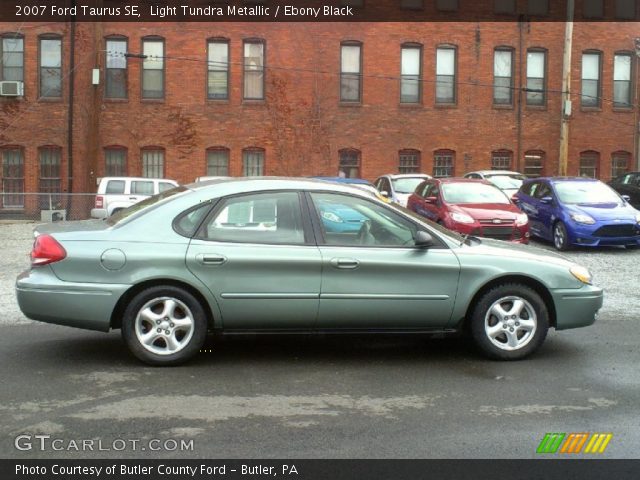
(272, 255)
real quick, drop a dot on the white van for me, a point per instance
(116, 193)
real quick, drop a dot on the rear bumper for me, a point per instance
(44, 297)
(577, 307)
(99, 213)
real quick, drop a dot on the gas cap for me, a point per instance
(113, 259)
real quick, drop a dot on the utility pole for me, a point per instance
(565, 108)
(637, 118)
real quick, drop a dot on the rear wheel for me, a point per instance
(509, 322)
(164, 325)
(560, 236)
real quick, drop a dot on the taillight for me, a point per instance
(46, 249)
(99, 201)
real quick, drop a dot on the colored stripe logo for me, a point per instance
(573, 443)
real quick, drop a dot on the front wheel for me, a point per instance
(164, 325)
(509, 322)
(560, 237)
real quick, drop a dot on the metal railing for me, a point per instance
(46, 207)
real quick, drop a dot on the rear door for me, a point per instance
(256, 254)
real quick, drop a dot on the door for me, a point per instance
(375, 278)
(529, 204)
(546, 205)
(256, 256)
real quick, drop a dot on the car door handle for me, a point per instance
(210, 259)
(345, 263)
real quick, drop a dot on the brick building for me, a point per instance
(311, 99)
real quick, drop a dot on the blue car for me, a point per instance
(578, 211)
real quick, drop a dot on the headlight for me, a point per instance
(580, 218)
(461, 218)
(582, 274)
(521, 219)
(332, 217)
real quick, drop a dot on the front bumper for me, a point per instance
(577, 307)
(586, 235)
(44, 297)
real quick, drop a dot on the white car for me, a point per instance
(506, 180)
(398, 187)
(117, 193)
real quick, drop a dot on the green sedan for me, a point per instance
(264, 255)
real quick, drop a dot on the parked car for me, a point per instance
(506, 180)
(473, 207)
(117, 193)
(398, 187)
(189, 260)
(358, 182)
(210, 177)
(628, 185)
(578, 211)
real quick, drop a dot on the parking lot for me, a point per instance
(347, 397)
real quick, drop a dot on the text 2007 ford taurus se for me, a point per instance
(268, 255)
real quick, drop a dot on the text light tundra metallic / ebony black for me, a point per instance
(256, 255)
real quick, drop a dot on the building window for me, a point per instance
(447, 5)
(593, 9)
(218, 70)
(218, 162)
(349, 163)
(625, 9)
(501, 160)
(153, 163)
(153, 68)
(620, 162)
(505, 6)
(591, 79)
(589, 164)
(115, 162)
(536, 81)
(254, 70)
(50, 182)
(409, 161)
(534, 164)
(443, 163)
(12, 178)
(12, 58)
(116, 70)
(412, 4)
(51, 67)
(538, 7)
(503, 76)
(622, 80)
(411, 74)
(253, 162)
(350, 72)
(446, 75)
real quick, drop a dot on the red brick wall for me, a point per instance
(301, 124)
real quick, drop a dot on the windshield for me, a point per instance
(136, 207)
(586, 192)
(407, 185)
(472, 193)
(506, 182)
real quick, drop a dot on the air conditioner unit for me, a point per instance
(11, 89)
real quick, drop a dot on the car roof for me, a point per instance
(169, 180)
(247, 184)
(563, 179)
(463, 180)
(394, 176)
(495, 172)
(354, 181)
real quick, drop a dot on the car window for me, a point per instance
(423, 189)
(386, 186)
(115, 187)
(273, 218)
(506, 182)
(406, 184)
(187, 223)
(164, 186)
(138, 209)
(347, 220)
(544, 190)
(530, 189)
(142, 188)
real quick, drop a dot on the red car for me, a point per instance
(474, 207)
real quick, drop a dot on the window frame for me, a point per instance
(511, 51)
(151, 149)
(529, 9)
(454, 102)
(360, 45)
(505, 11)
(540, 171)
(15, 36)
(419, 47)
(444, 152)
(596, 168)
(115, 148)
(53, 183)
(156, 39)
(619, 154)
(45, 37)
(632, 63)
(502, 153)
(358, 155)
(545, 78)
(19, 196)
(594, 15)
(116, 38)
(254, 41)
(598, 104)
(217, 149)
(409, 152)
(225, 41)
(249, 150)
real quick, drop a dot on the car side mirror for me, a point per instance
(626, 198)
(423, 239)
(431, 199)
(514, 198)
(546, 199)
(384, 193)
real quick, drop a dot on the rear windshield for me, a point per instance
(145, 204)
(407, 185)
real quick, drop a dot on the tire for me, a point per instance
(164, 325)
(523, 312)
(560, 237)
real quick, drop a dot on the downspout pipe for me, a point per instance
(72, 76)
